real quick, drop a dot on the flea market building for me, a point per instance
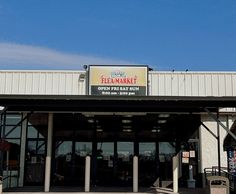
(52, 120)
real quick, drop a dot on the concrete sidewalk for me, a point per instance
(193, 191)
(97, 190)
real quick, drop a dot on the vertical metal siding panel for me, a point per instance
(174, 84)
(5, 81)
(36, 83)
(161, 91)
(168, 85)
(19, 82)
(78, 84)
(55, 83)
(150, 81)
(62, 86)
(208, 85)
(188, 84)
(202, 85)
(149, 84)
(155, 84)
(28, 83)
(68, 83)
(158, 82)
(84, 88)
(8, 88)
(49, 83)
(81, 86)
(15, 83)
(22, 83)
(215, 84)
(42, 83)
(160, 85)
(2, 82)
(234, 84)
(12, 82)
(222, 85)
(181, 84)
(195, 85)
(150, 76)
(75, 81)
(228, 85)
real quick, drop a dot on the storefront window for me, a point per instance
(147, 163)
(12, 158)
(12, 131)
(166, 153)
(35, 149)
(13, 119)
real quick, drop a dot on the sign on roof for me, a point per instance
(118, 80)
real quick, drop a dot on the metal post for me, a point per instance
(135, 174)
(0, 184)
(22, 150)
(1, 153)
(49, 153)
(218, 143)
(3, 127)
(7, 168)
(175, 162)
(87, 173)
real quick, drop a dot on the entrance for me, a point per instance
(114, 163)
(69, 162)
(35, 162)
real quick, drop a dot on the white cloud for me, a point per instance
(18, 56)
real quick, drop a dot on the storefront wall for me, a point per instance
(209, 149)
(160, 84)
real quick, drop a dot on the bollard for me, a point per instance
(191, 181)
(87, 173)
(175, 165)
(135, 174)
(0, 184)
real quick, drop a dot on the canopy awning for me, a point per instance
(114, 103)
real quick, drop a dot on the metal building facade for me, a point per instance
(42, 82)
(160, 83)
(192, 83)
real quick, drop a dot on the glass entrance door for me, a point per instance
(105, 173)
(69, 162)
(148, 164)
(114, 163)
(125, 152)
(35, 162)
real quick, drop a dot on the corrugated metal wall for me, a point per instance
(42, 82)
(160, 83)
(192, 83)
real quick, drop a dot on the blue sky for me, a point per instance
(164, 34)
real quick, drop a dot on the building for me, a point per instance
(52, 120)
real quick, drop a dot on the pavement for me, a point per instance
(193, 191)
(98, 190)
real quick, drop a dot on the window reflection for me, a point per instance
(13, 119)
(166, 152)
(147, 164)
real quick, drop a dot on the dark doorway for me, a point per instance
(69, 162)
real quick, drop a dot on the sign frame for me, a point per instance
(127, 67)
